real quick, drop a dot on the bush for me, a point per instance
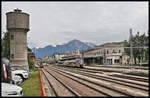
(31, 65)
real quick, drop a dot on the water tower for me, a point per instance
(18, 26)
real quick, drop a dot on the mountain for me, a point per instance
(46, 51)
(90, 44)
(70, 46)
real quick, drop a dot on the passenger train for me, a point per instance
(72, 63)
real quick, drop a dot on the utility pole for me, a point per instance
(82, 52)
(138, 45)
(131, 50)
(139, 49)
(104, 57)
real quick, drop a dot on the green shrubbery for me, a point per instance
(5, 45)
(31, 65)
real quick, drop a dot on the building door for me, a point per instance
(110, 61)
(120, 60)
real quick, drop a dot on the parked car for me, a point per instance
(44, 64)
(17, 79)
(17, 71)
(19, 67)
(36, 66)
(8, 90)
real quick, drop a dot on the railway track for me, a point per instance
(58, 87)
(131, 77)
(124, 76)
(124, 67)
(80, 89)
(134, 85)
(90, 85)
(136, 72)
(98, 88)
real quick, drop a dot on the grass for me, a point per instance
(31, 86)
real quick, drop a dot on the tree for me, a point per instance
(29, 50)
(138, 42)
(5, 42)
(30, 62)
(2, 47)
(5, 45)
(126, 44)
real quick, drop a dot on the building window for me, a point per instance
(113, 51)
(107, 51)
(119, 51)
(12, 56)
(12, 37)
(116, 61)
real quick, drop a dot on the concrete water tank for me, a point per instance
(18, 26)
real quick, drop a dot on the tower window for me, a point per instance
(12, 37)
(12, 56)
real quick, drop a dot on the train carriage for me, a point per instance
(72, 63)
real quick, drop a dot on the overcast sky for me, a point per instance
(53, 23)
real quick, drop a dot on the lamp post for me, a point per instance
(82, 52)
(138, 49)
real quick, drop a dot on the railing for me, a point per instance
(41, 84)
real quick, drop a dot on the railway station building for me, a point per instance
(106, 54)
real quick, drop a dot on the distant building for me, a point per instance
(47, 58)
(31, 56)
(70, 57)
(108, 53)
(44, 58)
(67, 55)
(75, 52)
(58, 56)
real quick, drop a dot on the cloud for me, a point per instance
(98, 22)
